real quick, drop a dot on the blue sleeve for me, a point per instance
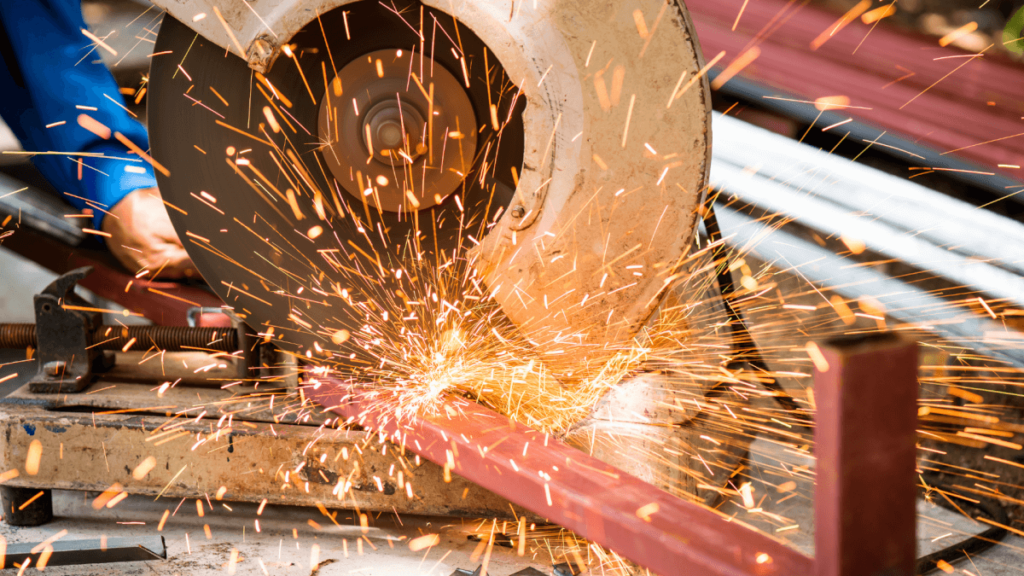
(48, 75)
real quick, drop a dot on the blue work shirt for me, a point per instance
(48, 75)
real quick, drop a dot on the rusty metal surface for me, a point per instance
(64, 323)
(105, 337)
(866, 456)
(285, 464)
(568, 487)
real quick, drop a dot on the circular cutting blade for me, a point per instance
(276, 229)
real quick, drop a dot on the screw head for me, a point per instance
(518, 212)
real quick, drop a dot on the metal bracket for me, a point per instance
(66, 361)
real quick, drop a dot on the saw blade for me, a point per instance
(299, 244)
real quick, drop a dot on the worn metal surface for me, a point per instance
(606, 220)
(595, 500)
(91, 551)
(249, 461)
(242, 31)
(222, 395)
(865, 444)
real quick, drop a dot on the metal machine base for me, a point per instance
(197, 441)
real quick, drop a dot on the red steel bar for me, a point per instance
(165, 303)
(570, 488)
(865, 441)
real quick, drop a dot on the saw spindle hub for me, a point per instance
(400, 131)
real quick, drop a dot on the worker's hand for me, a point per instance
(141, 235)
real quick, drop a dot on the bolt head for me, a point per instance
(518, 212)
(260, 51)
(55, 368)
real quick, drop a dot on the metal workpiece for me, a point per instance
(866, 389)
(569, 487)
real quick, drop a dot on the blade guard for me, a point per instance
(618, 143)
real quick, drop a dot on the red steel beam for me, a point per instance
(570, 488)
(865, 443)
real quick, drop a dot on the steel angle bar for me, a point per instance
(904, 302)
(568, 487)
(804, 184)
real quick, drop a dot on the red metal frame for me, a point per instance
(865, 497)
(866, 445)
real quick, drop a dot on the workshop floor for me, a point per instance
(284, 544)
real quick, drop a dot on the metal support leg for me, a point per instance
(866, 446)
(37, 512)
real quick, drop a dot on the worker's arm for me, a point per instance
(50, 77)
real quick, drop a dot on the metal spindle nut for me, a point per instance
(260, 52)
